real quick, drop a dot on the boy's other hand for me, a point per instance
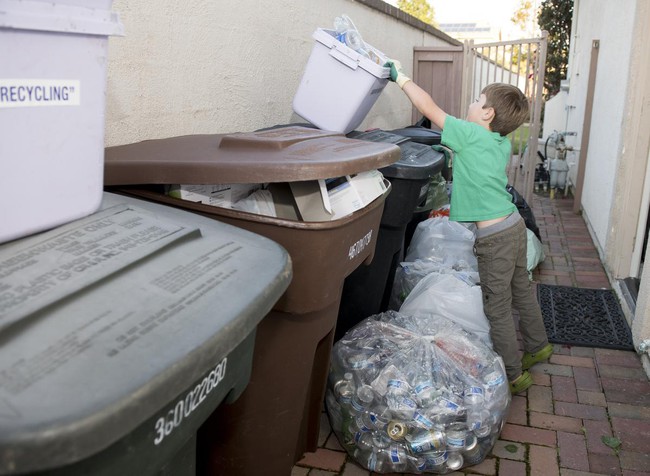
(396, 73)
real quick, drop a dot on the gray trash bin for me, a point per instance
(120, 333)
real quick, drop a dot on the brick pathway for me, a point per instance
(582, 400)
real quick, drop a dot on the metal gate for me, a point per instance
(522, 63)
(455, 75)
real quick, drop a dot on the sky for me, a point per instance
(495, 12)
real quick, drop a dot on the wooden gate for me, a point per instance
(439, 71)
(455, 76)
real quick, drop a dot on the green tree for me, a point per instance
(420, 9)
(523, 15)
(555, 17)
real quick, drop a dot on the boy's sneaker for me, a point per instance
(528, 360)
(521, 383)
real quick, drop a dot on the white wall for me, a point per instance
(555, 114)
(611, 23)
(220, 66)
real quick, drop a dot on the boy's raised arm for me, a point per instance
(422, 101)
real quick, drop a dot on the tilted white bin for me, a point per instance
(339, 86)
(53, 59)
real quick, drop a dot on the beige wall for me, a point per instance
(615, 196)
(201, 66)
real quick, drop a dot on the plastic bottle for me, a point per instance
(398, 399)
(397, 458)
(348, 34)
(353, 40)
(344, 389)
(417, 464)
(380, 415)
(380, 439)
(378, 461)
(362, 422)
(456, 437)
(478, 420)
(425, 392)
(341, 26)
(364, 441)
(363, 398)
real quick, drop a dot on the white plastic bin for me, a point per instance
(52, 101)
(339, 86)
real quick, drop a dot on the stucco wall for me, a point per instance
(555, 114)
(202, 66)
(611, 23)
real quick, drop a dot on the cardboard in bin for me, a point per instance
(222, 195)
(332, 199)
(52, 101)
(314, 200)
(112, 353)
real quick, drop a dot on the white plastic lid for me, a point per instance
(327, 38)
(66, 17)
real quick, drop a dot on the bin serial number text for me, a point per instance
(185, 406)
(358, 247)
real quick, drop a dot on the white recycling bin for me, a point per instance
(339, 86)
(52, 101)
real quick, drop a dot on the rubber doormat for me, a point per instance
(585, 317)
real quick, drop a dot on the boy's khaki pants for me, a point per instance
(501, 253)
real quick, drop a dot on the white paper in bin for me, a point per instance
(339, 86)
(52, 111)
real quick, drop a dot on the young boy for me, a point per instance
(481, 153)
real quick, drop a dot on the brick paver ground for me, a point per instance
(588, 412)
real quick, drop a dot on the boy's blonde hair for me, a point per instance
(509, 104)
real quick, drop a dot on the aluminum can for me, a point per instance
(473, 455)
(436, 460)
(396, 430)
(427, 440)
(455, 461)
(456, 437)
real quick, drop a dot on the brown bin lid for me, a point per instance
(287, 154)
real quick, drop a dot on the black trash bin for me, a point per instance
(422, 135)
(419, 134)
(367, 290)
(121, 332)
(277, 418)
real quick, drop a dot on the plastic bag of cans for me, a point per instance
(415, 394)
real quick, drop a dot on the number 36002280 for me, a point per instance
(185, 406)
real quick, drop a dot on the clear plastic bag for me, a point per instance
(438, 246)
(440, 239)
(455, 296)
(534, 252)
(418, 394)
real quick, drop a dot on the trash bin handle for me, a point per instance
(342, 56)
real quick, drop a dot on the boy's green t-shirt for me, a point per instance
(479, 171)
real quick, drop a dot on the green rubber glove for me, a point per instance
(396, 73)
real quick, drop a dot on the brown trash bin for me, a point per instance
(277, 418)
